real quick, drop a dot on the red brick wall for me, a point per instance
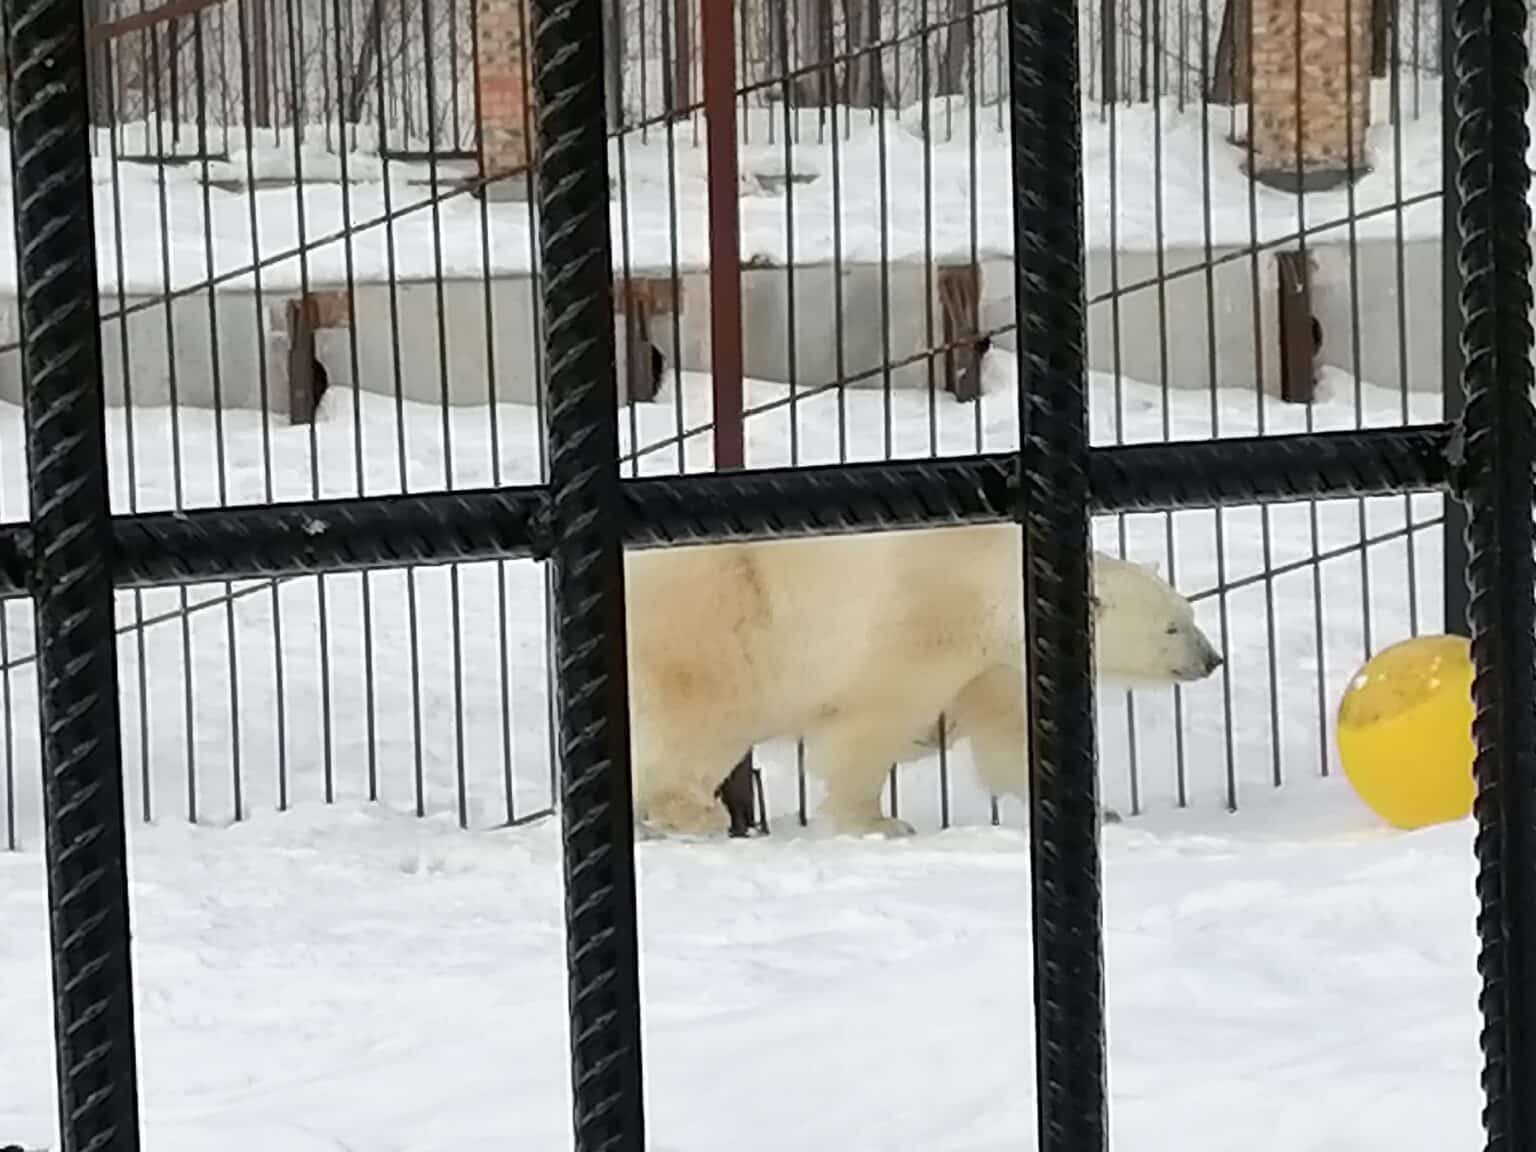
(1331, 116)
(503, 86)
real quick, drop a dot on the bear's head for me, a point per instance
(1144, 631)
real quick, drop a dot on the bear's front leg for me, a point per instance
(990, 710)
(853, 755)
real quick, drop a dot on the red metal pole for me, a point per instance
(719, 47)
(682, 71)
(724, 230)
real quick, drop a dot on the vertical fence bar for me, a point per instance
(1454, 532)
(71, 583)
(1053, 462)
(582, 433)
(1493, 179)
(682, 81)
(719, 47)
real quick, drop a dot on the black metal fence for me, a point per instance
(73, 553)
(236, 288)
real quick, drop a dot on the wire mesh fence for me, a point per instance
(307, 654)
(315, 286)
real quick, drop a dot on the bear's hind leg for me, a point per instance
(682, 812)
(677, 768)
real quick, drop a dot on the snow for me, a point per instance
(349, 979)
(348, 976)
(358, 943)
(166, 226)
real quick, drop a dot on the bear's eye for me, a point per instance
(1171, 630)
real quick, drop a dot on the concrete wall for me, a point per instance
(404, 338)
(1355, 301)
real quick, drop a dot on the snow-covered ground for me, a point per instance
(164, 226)
(343, 980)
(1291, 976)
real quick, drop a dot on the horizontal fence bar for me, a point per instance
(1269, 469)
(372, 532)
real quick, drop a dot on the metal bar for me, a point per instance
(586, 518)
(719, 48)
(682, 80)
(1050, 309)
(1493, 246)
(359, 533)
(137, 21)
(1454, 535)
(70, 577)
(724, 232)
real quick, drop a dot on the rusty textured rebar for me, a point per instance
(70, 578)
(1049, 304)
(1498, 449)
(586, 516)
(355, 534)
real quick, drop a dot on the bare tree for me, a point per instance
(866, 80)
(98, 64)
(959, 45)
(362, 68)
(813, 44)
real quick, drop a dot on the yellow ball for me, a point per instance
(1404, 731)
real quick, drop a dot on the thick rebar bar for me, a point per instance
(1049, 294)
(70, 578)
(1492, 182)
(360, 533)
(1453, 594)
(586, 554)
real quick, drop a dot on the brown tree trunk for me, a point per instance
(813, 39)
(955, 63)
(97, 66)
(866, 78)
(367, 58)
(1229, 75)
(261, 66)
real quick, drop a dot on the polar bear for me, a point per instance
(857, 644)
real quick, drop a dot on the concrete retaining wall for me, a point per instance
(1348, 297)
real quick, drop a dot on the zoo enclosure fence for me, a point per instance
(72, 553)
(348, 695)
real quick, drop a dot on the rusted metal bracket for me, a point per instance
(307, 378)
(1301, 336)
(640, 299)
(136, 21)
(960, 301)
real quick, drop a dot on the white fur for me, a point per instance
(857, 644)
